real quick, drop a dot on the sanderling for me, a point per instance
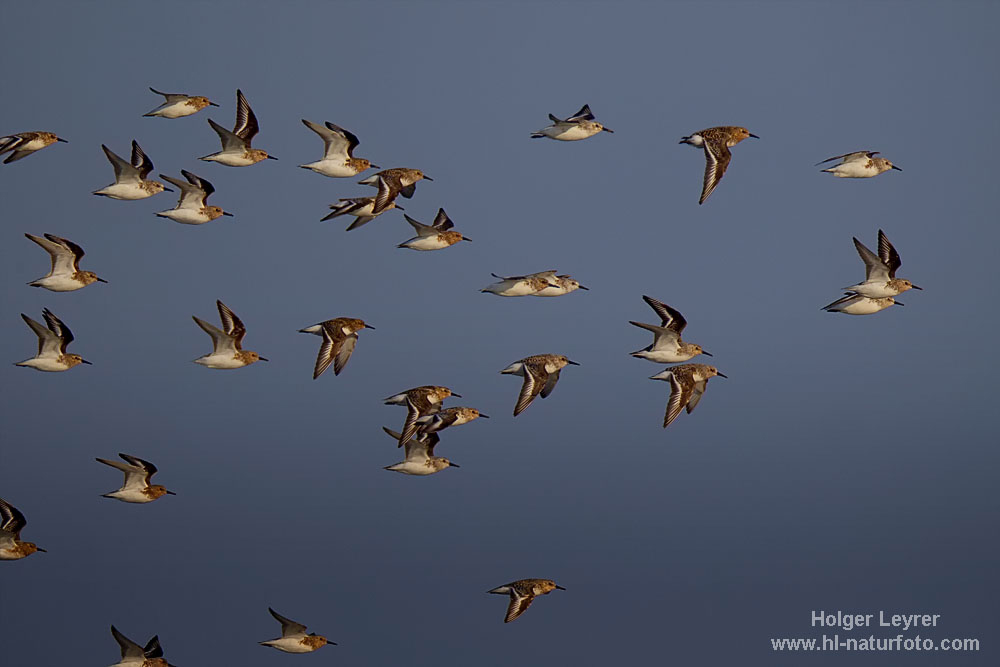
(523, 285)
(65, 274)
(442, 419)
(419, 401)
(540, 373)
(133, 655)
(236, 150)
(25, 143)
(363, 208)
(399, 180)
(52, 343)
(564, 285)
(130, 178)
(716, 142)
(227, 343)
(179, 105)
(434, 236)
(522, 592)
(667, 346)
(136, 488)
(191, 208)
(860, 164)
(419, 453)
(880, 271)
(339, 338)
(11, 524)
(338, 152)
(294, 638)
(687, 386)
(578, 126)
(855, 304)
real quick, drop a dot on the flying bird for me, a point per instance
(227, 343)
(52, 343)
(12, 522)
(236, 150)
(23, 144)
(716, 141)
(340, 335)
(338, 152)
(522, 593)
(136, 488)
(687, 386)
(667, 346)
(65, 274)
(860, 164)
(178, 105)
(192, 208)
(294, 638)
(130, 177)
(540, 373)
(580, 125)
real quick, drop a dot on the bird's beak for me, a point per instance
(484, 416)
(586, 288)
(65, 142)
(262, 358)
(707, 354)
(212, 104)
(101, 280)
(84, 361)
(427, 178)
(572, 362)
(454, 465)
(171, 493)
(466, 238)
(753, 135)
(607, 129)
(919, 288)
(560, 588)
(456, 395)
(44, 551)
(227, 214)
(271, 157)
(368, 326)
(897, 303)
(166, 189)
(896, 168)
(722, 376)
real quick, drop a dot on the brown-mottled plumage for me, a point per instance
(540, 373)
(24, 144)
(227, 343)
(522, 593)
(339, 338)
(398, 181)
(716, 142)
(419, 401)
(687, 386)
(11, 524)
(52, 344)
(64, 274)
(294, 638)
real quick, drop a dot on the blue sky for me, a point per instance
(847, 463)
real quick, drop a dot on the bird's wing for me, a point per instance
(246, 122)
(171, 97)
(56, 326)
(697, 391)
(143, 165)
(124, 171)
(671, 318)
(231, 324)
(11, 519)
(129, 648)
(550, 384)
(442, 222)
(679, 396)
(583, 114)
(518, 604)
(717, 157)
(875, 269)
(230, 142)
(288, 626)
(221, 341)
(421, 229)
(887, 253)
(534, 380)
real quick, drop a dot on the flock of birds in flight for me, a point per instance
(425, 415)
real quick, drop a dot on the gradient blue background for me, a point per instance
(847, 464)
